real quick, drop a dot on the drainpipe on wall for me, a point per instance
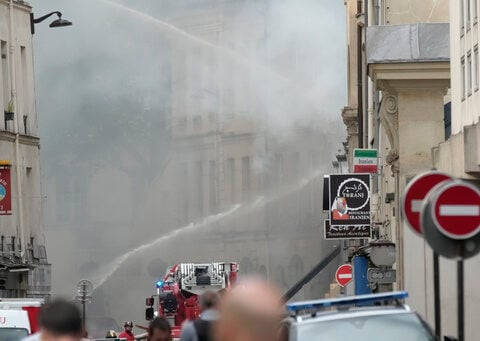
(366, 101)
(18, 168)
(399, 230)
(359, 77)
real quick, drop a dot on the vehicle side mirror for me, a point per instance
(149, 314)
(449, 338)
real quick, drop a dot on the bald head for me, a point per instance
(251, 311)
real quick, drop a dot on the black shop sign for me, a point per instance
(346, 231)
(350, 199)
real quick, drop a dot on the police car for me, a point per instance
(364, 317)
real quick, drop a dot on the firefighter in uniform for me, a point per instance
(127, 333)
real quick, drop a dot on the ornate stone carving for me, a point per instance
(389, 120)
(349, 116)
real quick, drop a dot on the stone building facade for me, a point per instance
(25, 270)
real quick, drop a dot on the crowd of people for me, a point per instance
(251, 311)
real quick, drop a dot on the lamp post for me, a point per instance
(341, 158)
(56, 23)
(84, 289)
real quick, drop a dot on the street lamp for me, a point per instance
(341, 158)
(56, 23)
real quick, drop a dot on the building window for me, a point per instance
(476, 70)
(468, 15)
(474, 11)
(212, 71)
(212, 193)
(469, 73)
(229, 89)
(278, 170)
(231, 179)
(245, 177)
(64, 191)
(25, 89)
(211, 117)
(5, 94)
(295, 165)
(25, 124)
(462, 80)
(199, 185)
(197, 122)
(184, 191)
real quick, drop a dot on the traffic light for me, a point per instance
(149, 301)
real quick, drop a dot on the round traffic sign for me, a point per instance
(456, 236)
(414, 195)
(344, 274)
(456, 210)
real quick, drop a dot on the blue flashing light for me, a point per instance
(159, 284)
(346, 301)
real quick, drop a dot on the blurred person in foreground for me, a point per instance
(159, 330)
(252, 311)
(59, 320)
(127, 333)
(201, 329)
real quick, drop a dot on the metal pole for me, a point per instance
(84, 316)
(436, 293)
(359, 78)
(84, 288)
(460, 297)
(84, 310)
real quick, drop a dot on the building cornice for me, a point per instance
(23, 139)
(29, 140)
(395, 76)
(350, 119)
(23, 5)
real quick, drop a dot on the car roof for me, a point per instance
(338, 314)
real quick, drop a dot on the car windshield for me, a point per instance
(391, 327)
(13, 334)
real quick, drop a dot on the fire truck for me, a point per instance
(177, 297)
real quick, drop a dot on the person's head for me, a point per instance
(111, 335)
(60, 321)
(128, 326)
(342, 205)
(209, 300)
(159, 330)
(251, 311)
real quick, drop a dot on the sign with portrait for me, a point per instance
(350, 200)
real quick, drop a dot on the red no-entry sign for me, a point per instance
(414, 195)
(456, 210)
(344, 274)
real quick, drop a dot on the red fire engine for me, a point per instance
(178, 293)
